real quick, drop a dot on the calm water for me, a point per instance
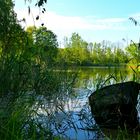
(69, 116)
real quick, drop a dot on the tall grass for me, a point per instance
(22, 82)
(27, 93)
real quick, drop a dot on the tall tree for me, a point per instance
(46, 41)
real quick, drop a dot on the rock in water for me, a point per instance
(115, 105)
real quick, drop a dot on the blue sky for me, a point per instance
(101, 8)
(94, 20)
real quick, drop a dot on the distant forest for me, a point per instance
(78, 52)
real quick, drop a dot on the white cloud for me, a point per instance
(55, 21)
(65, 25)
(111, 20)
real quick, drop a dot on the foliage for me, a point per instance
(26, 59)
(27, 72)
(44, 43)
(79, 52)
(134, 52)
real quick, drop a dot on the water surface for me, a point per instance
(69, 116)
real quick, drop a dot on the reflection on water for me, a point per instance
(69, 116)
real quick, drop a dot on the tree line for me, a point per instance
(23, 53)
(27, 60)
(78, 52)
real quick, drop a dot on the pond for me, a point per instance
(69, 116)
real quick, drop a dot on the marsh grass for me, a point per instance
(22, 83)
(32, 94)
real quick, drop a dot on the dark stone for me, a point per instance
(115, 105)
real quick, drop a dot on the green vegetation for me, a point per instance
(78, 52)
(28, 62)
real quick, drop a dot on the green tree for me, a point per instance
(46, 44)
(96, 53)
(120, 56)
(109, 55)
(11, 32)
(133, 52)
(79, 48)
(75, 40)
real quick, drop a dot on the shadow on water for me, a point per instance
(68, 115)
